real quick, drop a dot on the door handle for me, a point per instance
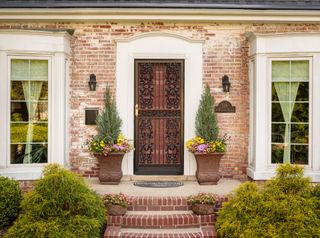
(136, 111)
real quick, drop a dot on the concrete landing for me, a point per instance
(224, 187)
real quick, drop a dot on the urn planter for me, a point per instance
(208, 165)
(203, 209)
(116, 210)
(110, 168)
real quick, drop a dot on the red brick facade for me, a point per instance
(225, 51)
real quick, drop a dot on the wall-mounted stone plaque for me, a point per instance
(225, 107)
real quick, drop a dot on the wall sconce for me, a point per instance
(226, 84)
(92, 82)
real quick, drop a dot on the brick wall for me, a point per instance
(225, 51)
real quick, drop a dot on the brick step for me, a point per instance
(159, 204)
(203, 232)
(156, 221)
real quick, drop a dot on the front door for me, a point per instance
(159, 104)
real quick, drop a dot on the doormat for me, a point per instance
(158, 184)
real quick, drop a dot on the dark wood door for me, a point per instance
(159, 104)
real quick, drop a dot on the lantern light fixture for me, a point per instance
(226, 84)
(92, 82)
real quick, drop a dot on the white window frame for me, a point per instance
(264, 48)
(31, 57)
(310, 123)
(55, 47)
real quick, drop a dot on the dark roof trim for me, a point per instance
(253, 5)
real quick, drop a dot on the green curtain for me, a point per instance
(287, 93)
(31, 94)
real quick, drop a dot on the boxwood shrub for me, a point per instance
(61, 205)
(283, 207)
(10, 199)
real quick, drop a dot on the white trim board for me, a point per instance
(158, 47)
(157, 14)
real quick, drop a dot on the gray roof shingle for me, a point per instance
(186, 4)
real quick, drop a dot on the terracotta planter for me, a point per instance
(116, 210)
(208, 168)
(110, 168)
(203, 209)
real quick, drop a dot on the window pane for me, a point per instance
(17, 91)
(277, 153)
(19, 69)
(41, 111)
(277, 115)
(44, 91)
(39, 70)
(19, 111)
(290, 95)
(28, 133)
(29, 111)
(299, 133)
(299, 154)
(280, 71)
(299, 71)
(38, 153)
(278, 133)
(300, 112)
(303, 92)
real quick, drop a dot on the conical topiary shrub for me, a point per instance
(206, 122)
(109, 122)
(207, 147)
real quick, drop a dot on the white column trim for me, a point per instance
(158, 46)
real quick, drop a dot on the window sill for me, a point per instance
(268, 174)
(22, 173)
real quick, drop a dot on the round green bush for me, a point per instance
(61, 205)
(10, 199)
(284, 207)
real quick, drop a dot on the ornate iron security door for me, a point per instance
(159, 87)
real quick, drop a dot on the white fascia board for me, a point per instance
(194, 15)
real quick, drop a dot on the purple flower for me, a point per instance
(118, 147)
(202, 148)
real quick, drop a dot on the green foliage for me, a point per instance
(10, 199)
(109, 122)
(206, 122)
(284, 207)
(316, 199)
(61, 205)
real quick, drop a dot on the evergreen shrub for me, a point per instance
(10, 199)
(60, 206)
(283, 207)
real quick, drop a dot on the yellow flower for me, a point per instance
(199, 140)
(120, 139)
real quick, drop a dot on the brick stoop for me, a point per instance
(162, 217)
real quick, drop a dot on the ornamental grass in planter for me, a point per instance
(116, 204)
(207, 146)
(202, 203)
(109, 145)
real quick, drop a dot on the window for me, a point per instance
(290, 112)
(284, 107)
(33, 101)
(28, 111)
